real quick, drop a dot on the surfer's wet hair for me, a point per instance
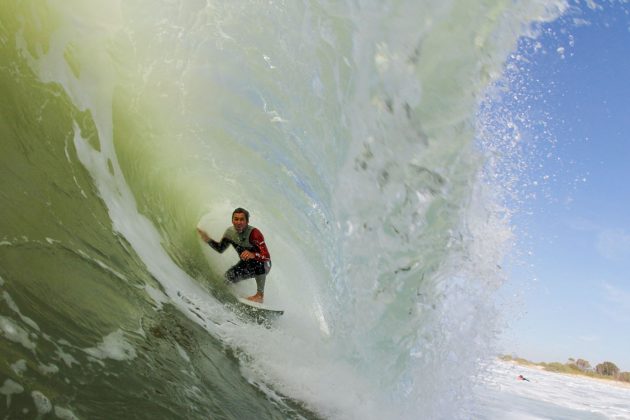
(243, 211)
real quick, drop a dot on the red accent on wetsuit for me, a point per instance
(257, 239)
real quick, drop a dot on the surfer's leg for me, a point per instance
(260, 283)
(238, 272)
(261, 274)
(246, 270)
(260, 289)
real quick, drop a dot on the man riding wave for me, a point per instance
(249, 244)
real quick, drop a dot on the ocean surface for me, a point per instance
(366, 138)
(548, 395)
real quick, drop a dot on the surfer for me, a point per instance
(249, 243)
(522, 378)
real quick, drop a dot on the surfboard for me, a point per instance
(261, 307)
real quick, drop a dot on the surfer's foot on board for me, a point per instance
(258, 297)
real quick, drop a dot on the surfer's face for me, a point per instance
(239, 222)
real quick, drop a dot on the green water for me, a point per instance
(67, 280)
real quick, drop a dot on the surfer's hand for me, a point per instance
(246, 255)
(203, 235)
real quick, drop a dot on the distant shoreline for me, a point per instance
(544, 367)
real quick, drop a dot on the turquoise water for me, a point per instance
(348, 129)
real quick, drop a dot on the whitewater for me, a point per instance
(547, 395)
(352, 131)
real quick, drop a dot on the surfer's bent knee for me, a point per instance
(228, 277)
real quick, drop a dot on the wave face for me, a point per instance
(348, 129)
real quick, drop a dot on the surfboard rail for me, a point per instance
(260, 306)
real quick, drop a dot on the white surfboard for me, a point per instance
(261, 307)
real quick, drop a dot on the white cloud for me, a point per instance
(614, 244)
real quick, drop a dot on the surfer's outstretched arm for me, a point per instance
(217, 246)
(204, 236)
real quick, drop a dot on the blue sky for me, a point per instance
(575, 280)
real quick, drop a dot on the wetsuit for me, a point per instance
(251, 239)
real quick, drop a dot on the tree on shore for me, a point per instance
(583, 365)
(580, 364)
(607, 369)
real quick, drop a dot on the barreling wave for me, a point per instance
(348, 129)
